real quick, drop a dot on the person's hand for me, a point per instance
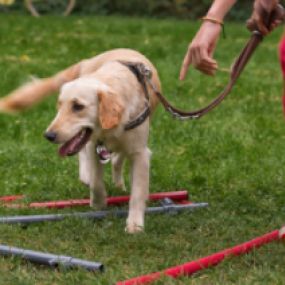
(201, 49)
(266, 16)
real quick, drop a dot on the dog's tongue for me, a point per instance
(75, 144)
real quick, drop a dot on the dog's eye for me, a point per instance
(76, 107)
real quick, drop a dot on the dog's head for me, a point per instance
(85, 106)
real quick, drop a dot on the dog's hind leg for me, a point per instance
(98, 195)
(117, 170)
(140, 163)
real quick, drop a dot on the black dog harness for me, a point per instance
(141, 72)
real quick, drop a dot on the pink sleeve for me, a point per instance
(282, 55)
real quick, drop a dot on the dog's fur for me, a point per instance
(109, 96)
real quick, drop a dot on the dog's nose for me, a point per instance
(51, 136)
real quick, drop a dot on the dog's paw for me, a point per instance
(134, 228)
(121, 185)
(98, 202)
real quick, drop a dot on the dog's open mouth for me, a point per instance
(75, 144)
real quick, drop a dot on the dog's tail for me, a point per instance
(34, 92)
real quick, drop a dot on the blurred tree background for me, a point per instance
(191, 9)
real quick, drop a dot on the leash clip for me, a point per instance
(145, 70)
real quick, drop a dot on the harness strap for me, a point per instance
(140, 71)
(140, 75)
(138, 120)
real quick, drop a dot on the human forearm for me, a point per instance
(220, 8)
(201, 49)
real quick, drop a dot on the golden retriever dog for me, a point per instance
(98, 98)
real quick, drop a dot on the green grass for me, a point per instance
(232, 158)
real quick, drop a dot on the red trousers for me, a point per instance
(282, 62)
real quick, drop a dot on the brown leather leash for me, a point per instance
(238, 66)
(144, 76)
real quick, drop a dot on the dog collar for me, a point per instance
(138, 120)
(135, 68)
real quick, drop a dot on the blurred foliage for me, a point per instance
(191, 9)
(7, 2)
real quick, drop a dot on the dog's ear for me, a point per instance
(111, 109)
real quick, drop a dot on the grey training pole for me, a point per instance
(49, 259)
(166, 208)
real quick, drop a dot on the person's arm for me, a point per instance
(201, 49)
(220, 8)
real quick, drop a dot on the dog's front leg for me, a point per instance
(140, 163)
(95, 171)
(85, 166)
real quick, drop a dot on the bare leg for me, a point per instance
(117, 170)
(140, 190)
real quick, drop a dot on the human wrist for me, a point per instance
(213, 20)
(212, 26)
(216, 15)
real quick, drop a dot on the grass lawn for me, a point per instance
(233, 158)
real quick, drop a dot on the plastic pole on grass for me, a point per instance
(175, 196)
(50, 259)
(209, 261)
(7, 199)
(168, 208)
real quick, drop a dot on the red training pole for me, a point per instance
(60, 204)
(205, 262)
(7, 199)
(175, 196)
